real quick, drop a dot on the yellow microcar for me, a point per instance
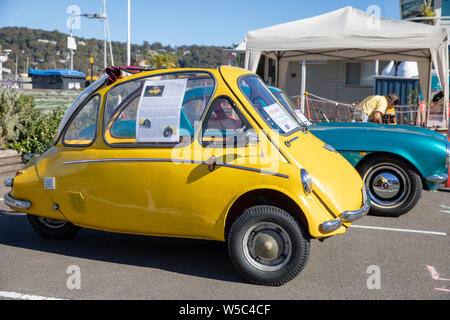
(219, 158)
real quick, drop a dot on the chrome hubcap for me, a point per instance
(388, 185)
(385, 185)
(267, 246)
(52, 223)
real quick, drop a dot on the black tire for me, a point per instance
(53, 229)
(380, 175)
(292, 254)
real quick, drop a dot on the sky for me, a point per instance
(176, 22)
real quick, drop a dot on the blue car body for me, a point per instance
(425, 149)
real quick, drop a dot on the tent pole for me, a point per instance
(277, 71)
(303, 87)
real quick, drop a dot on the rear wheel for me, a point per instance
(268, 246)
(53, 228)
(393, 185)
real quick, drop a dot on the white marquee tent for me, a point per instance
(351, 34)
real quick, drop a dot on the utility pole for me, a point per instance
(17, 62)
(129, 37)
(104, 33)
(91, 62)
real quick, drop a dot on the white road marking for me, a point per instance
(21, 296)
(400, 230)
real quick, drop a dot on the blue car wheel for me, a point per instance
(393, 185)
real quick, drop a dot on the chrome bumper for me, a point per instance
(437, 178)
(348, 216)
(15, 203)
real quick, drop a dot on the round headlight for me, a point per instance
(306, 181)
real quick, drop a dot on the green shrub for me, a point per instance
(22, 127)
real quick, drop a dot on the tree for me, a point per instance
(158, 60)
(427, 10)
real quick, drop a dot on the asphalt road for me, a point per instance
(395, 258)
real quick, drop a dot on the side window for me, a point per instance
(125, 101)
(224, 126)
(83, 127)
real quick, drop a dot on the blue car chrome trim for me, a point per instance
(437, 177)
(178, 161)
(15, 203)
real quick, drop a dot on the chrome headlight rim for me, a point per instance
(307, 182)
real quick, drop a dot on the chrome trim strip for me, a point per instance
(15, 203)
(8, 182)
(326, 146)
(177, 161)
(437, 177)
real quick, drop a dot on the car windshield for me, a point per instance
(287, 102)
(270, 109)
(76, 103)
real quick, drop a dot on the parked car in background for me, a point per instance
(396, 162)
(198, 170)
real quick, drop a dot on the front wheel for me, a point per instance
(268, 246)
(53, 228)
(393, 185)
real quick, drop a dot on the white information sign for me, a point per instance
(281, 117)
(159, 111)
(71, 43)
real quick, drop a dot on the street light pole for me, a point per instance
(71, 37)
(104, 34)
(129, 37)
(98, 16)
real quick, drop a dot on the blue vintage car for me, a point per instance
(395, 162)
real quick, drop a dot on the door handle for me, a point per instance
(212, 161)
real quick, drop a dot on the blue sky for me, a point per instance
(177, 22)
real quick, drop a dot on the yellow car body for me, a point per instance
(174, 191)
(99, 195)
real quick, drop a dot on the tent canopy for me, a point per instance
(351, 34)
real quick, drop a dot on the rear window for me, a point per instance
(77, 102)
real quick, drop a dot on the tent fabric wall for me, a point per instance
(351, 34)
